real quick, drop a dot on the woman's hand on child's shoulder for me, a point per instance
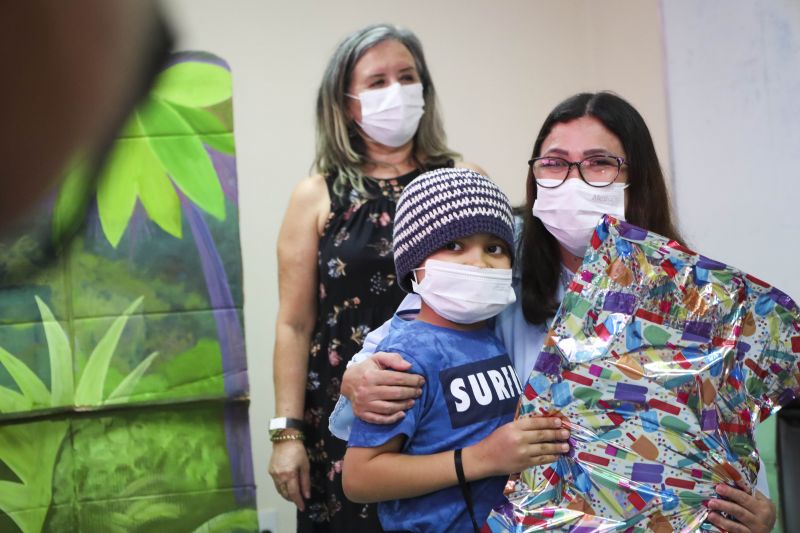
(525, 442)
(380, 388)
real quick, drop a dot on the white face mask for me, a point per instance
(464, 294)
(390, 115)
(571, 211)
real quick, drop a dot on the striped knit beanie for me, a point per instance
(441, 206)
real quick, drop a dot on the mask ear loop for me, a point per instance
(414, 274)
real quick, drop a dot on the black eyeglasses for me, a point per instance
(596, 170)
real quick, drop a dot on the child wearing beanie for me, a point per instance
(453, 245)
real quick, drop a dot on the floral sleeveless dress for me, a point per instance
(357, 292)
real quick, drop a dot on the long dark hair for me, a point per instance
(648, 204)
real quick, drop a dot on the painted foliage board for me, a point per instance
(123, 377)
(661, 362)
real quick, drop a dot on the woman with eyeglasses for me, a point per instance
(378, 128)
(593, 155)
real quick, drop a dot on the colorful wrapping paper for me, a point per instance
(661, 362)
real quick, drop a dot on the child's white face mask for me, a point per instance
(464, 294)
(571, 211)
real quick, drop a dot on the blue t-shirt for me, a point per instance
(470, 390)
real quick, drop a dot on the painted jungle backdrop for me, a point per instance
(123, 378)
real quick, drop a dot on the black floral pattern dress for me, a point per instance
(357, 292)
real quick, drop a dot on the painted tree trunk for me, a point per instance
(231, 341)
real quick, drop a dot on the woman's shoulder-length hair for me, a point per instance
(340, 151)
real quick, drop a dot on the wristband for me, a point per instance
(277, 427)
(290, 436)
(465, 491)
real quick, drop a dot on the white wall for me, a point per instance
(499, 68)
(733, 72)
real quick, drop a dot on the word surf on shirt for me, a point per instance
(480, 391)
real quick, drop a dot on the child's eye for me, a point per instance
(496, 249)
(453, 246)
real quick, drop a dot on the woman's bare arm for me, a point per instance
(298, 242)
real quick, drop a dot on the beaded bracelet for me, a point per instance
(290, 436)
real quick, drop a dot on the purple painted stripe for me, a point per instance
(231, 343)
(631, 232)
(652, 468)
(708, 420)
(619, 302)
(237, 437)
(582, 529)
(741, 350)
(647, 473)
(696, 331)
(781, 298)
(786, 396)
(547, 363)
(225, 166)
(710, 264)
(630, 393)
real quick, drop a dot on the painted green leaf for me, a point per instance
(221, 142)
(194, 84)
(118, 190)
(120, 523)
(62, 381)
(14, 495)
(13, 402)
(17, 452)
(73, 199)
(93, 378)
(132, 128)
(183, 156)
(200, 120)
(30, 451)
(158, 196)
(28, 448)
(142, 511)
(124, 389)
(212, 130)
(145, 510)
(29, 383)
(240, 520)
(30, 519)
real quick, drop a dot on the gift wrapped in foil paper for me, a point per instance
(661, 362)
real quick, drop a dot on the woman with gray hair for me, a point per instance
(377, 129)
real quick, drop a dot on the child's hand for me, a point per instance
(525, 442)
